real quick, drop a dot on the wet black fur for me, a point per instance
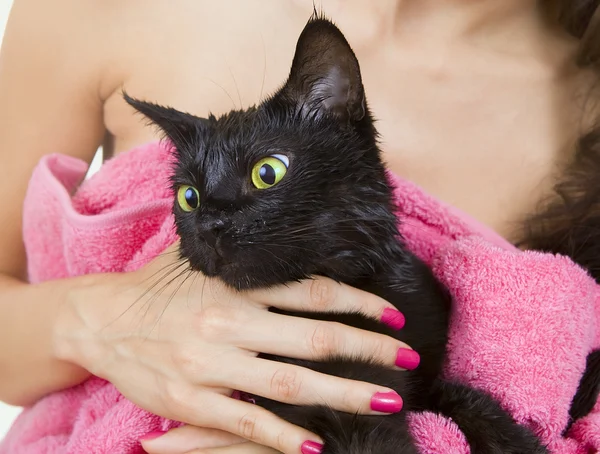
(333, 215)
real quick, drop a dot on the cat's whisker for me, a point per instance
(282, 245)
(162, 254)
(290, 245)
(236, 86)
(225, 91)
(180, 260)
(196, 274)
(202, 292)
(262, 86)
(369, 221)
(189, 272)
(169, 270)
(308, 237)
(280, 261)
(148, 304)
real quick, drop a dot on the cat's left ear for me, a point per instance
(178, 126)
(325, 76)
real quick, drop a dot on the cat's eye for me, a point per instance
(188, 198)
(269, 171)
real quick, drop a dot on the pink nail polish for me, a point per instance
(152, 435)
(311, 447)
(407, 359)
(389, 402)
(392, 318)
(247, 398)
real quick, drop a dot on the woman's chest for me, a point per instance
(486, 142)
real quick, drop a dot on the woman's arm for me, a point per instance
(30, 368)
(49, 102)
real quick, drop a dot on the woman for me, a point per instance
(478, 102)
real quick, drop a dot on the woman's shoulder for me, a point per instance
(200, 57)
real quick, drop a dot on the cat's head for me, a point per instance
(289, 188)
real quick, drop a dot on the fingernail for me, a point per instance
(247, 398)
(389, 402)
(311, 447)
(152, 435)
(393, 318)
(407, 359)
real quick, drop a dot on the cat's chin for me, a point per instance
(240, 277)
(231, 274)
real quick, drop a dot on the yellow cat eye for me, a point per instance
(269, 171)
(188, 198)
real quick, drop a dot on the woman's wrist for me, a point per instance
(42, 358)
(81, 317)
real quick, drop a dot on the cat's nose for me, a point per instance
(211, 229)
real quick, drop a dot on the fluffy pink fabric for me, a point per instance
(522, 325)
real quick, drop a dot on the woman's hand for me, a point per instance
(244, 448)
(195, 440)
(189, 439)
(177, 343)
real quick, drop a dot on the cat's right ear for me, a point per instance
(178, 126)
(325, 76)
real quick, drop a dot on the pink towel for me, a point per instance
(522, 325)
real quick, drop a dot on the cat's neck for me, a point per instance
(388, 263)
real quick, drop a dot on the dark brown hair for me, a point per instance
(569, 222)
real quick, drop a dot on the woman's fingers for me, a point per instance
(206, 344)
(250, 422)
(297, 385)
(186, 438)
(303, 338)
(242, 448)
(322, 294)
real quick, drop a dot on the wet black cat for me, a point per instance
(295, 187)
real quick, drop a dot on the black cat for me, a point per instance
(296, 187)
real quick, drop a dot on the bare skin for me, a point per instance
(474, 104)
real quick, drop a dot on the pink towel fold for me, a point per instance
(522, 324)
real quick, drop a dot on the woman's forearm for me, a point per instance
(29, 366)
